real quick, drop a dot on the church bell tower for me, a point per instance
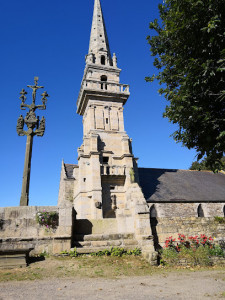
(103, 187)
(105, 158)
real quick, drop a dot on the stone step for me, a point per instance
(106, 243)
(102, 237)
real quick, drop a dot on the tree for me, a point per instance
(203, 165)
(189, 50)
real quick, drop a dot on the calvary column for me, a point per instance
(34, 128)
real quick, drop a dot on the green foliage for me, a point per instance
(193, 250)
(48, 219)
(135, 252)
(199, 256)
(71, 253)
(101, 253)
(118, 252)
(205, 165)
(189, 49)
(216, 251)
(169, 256)
(44, 254)
(220, 220)
(112, 252)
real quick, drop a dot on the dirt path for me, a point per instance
(174, 285)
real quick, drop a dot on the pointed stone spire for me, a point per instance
(99, 45)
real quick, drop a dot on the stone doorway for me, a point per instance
(111, 188)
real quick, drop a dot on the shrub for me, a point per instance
(112, 252)
(194, 250)
(48, 219)
(217, 251)
(220, 220)
(117, 252)
(169, 256)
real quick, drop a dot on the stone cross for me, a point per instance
(34, 127)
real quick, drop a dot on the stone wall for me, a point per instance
(66, 189)
(167, 210)
(19, 228)
(191, 226)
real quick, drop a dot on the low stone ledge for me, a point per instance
(14, 256)
(212, 261)
(15, 240)
(15, 249)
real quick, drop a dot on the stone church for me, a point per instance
(107, 189)
(106, 200)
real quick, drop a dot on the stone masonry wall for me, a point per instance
(19, 228)
(191, 226)
(167, 210)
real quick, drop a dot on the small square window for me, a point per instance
(105, 160)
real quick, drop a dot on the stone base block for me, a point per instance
(12, 261)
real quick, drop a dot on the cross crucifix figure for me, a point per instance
(34, 128)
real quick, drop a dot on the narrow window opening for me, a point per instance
(112, 187)
(104, 79)
(107, 121)
(153, 212)
(105, 160)
(103, 60)
(224, 211)
(107, 171)
(84, 179)
(200, 211)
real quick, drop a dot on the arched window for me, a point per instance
(102, 60)
(153, 212)
(200, 211)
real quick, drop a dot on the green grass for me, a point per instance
(91, 267)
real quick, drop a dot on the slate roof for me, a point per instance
(160, 185)
(69, 170)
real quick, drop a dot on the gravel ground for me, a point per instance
(174, 285)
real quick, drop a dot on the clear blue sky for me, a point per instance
(50, 39)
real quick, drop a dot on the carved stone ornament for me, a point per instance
(20, 125)
(113, 202)
(31, 119)
(98, 204)
(41, 129)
